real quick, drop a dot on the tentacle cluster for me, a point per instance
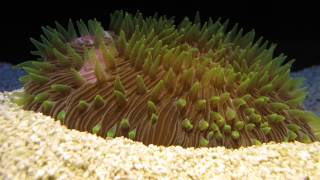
(194, 84)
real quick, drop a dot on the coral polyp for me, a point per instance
(191, 84)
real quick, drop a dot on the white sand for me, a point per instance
(34, 146)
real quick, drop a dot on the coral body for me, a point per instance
(146, 79)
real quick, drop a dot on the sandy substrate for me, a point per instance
(34, 146)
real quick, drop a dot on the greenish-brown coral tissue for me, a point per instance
(151, 80)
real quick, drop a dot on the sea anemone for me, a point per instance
(194, 84)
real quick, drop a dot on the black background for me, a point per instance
(294, 26)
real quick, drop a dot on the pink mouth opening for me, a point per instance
(87, 70)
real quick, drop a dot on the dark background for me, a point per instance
(293, 26)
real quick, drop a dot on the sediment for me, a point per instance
(35, 146)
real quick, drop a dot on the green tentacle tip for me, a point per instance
(277, 106)
(62, 59)
(305, 139)
(203, 142)
(230, 114)
(218, 136)
(291, 135)
(39, 78)
(154, 68)
(246, 98)
(121, 98)
(122, 42)
(31, 70)
(238, 102)
(147, 64)
(264, 124)
(250, 126)
(193, 93)
(43, 65)
(275, 118)
(141, 87)
(201, 104)
(256, 118)
(108, 56)
(266, 89)
(226, 128)
(124, 124)
(22, 99)
(235, 134)
(132, 134)
(156, 91)
(186, 76)
(187, 125)
(239, 125)
(96, 129)
(266, 130)
(214, 127)
(98, 101)
(181, 103)
(249, 111)
(255, 141)
(75, 57)
(261, 101)
(294, 127)
(82, 105)
(47, 106)
(101, 75)
(24, 79)
(224, 97)
(154, 118)
(112, 132)
(152, 108)
(210, 135)
(169, 80)
(78, 79)
(218, 118)
(61, 88)
(118, 85)
(61, 116)
(39, 98)
(203, 125)
(214, 101)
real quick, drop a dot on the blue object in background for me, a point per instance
(312, 82)
(9, 81)
(9, 77)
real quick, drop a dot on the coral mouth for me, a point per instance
(87, 71)
(88, 68)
